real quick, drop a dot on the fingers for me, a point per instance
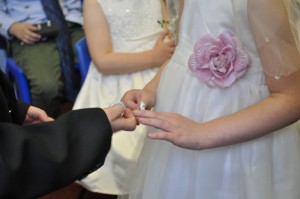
(163, 35)
(128, 113)
(168, 38)
(154, 119)
(36, 115)
(149, 114)
(120, 118)
(127, 122)
(156, 123)
(114, 111)
(31, 37)
(34, 36)
(43, 117)
(131, 99)
(144, 103)
(160, 136)
(26, 32)
(31, 30)
(130, 120)
(28, 40)
(130, 104)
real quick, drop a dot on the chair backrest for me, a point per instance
(14, 73)
(19, 80)
(3, 58)
(83, 57)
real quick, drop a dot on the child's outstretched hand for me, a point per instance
(175, 128)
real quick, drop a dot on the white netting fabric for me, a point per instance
(275, 26)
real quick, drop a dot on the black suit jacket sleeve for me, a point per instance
(37, 159)
(11, 110)
(22, 111)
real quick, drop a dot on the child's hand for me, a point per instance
(174, 128)
(36, 115)
(138, 99)
(163, 49)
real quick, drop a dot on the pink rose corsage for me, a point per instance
(218, 61)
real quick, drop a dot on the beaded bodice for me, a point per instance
(131, 20)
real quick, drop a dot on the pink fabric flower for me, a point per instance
(217, 61)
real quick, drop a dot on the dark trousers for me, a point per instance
(41, 65)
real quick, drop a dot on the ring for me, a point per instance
(120, 104)
(142, 106)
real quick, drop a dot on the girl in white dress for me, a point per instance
(127, 46)
(225, 106)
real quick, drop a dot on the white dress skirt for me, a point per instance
(264, 168)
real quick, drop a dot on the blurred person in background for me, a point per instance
(41, 35)
(128, 41)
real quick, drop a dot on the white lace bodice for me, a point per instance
(134, 20)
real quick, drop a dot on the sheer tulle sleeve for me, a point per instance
(274, 24)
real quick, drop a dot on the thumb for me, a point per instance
(145, 102)
(45, 118)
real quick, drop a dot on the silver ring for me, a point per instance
(142, 106)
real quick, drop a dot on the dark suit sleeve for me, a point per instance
(18, 115)
(11, 110)
(37, 159)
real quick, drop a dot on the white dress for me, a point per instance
(134, 28)
(264, 168)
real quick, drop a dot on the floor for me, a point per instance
(75, 191)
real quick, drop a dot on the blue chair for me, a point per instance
(83, 58)
(14, 73)
(3, 58)
(19, 80)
